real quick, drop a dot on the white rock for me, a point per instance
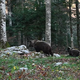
(33, 64)
(2, 55)
(23, 68)
(61, 71)
(32, 54)
(12, 48)
(58, 63)
(25, 51)
(36, 52)
(17, 52)
(57, 55)
(7, 51)
(39, 53)
(15, 49)
(22, 47)
(37, 56)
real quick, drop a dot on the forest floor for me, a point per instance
(16, 67)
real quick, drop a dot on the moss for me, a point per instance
(7, 44)
(4, 45)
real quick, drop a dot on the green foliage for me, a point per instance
(30, 19)
(59, 18)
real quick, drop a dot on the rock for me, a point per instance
(25, 51)
(21, 50)
(58, 63)
(56, 55)
(33, 64)
(22, 47)
(17, 48)
(7, 52)
(14, 48)
(23, 68)
(2, 55)
(18, 52)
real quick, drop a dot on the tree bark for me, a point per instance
(48, 22)
(78, 28)
(71, 31)
(3, 35)
(19, 38)
(9, 13)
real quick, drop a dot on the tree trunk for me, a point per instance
(71, 32)
(78, 29)
(3, 36)
(19, 38)
(24, 39)
(9, 13)
(48, 22)
(26, 43)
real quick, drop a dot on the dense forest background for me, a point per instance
(26, 21)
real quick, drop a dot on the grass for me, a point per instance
(39, 68)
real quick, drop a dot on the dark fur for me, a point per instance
(73, 52)
(41, 46)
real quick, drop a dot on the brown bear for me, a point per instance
(73, 52)
(41, 46)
